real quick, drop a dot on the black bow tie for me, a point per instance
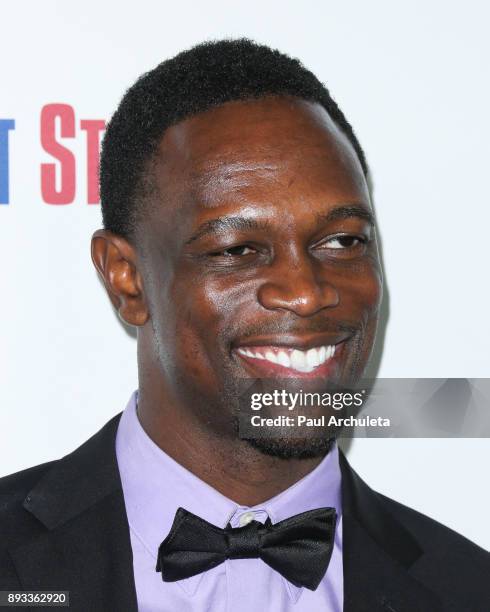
(299, 547)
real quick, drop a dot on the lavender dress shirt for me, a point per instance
(154, 486)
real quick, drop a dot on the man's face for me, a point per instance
(259, 257)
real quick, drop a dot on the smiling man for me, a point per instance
(239, 239)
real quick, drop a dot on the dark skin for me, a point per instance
(297, 267)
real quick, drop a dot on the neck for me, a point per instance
(232, 467)
(229, 465)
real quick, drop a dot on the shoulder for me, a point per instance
(446, 563)
(34, 502)
(431, 534)
(17, 525)
(95, 456)
(451, 563)
(13, 491)
(18, 482)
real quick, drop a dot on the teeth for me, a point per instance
(323, 355)
(298, 359)
(313, 358)
(283, 359)
(301, 361)
(270, 356)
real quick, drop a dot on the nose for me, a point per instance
(300, 287)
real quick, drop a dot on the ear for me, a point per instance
(115, 261)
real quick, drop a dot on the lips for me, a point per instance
(281, 360)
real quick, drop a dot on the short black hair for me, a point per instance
(193, 81)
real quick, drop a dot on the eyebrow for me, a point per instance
(346, 212)
(237, 223)
(222, 224)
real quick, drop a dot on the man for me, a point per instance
(239, 240)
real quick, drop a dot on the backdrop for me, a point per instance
(411, 77)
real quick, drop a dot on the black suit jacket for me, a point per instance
(63, 526)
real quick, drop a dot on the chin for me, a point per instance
(292, 448)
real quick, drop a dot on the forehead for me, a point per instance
(240, 145)
(279, 160)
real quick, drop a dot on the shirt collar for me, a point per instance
(154, 486)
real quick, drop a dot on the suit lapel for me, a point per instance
(378, 553)
(85, 548)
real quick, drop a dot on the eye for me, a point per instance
(343, 246)
(236, 251)
(343, 242)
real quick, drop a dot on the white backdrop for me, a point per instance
(411, 77)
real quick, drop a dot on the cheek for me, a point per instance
(372, 291)
(361, 293)
(360, 302)
(200, 317)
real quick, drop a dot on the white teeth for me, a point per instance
(322, 353)
(298, 359)
(301, 361)
(283, 359)
(249, 353)
(270, 356)
(312, 358)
